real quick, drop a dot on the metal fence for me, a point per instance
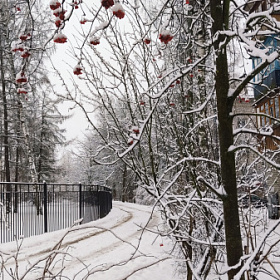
(30, 209)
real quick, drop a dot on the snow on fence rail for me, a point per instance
(28, 209)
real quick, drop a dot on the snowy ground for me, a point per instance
(114, 248)
(105, 249)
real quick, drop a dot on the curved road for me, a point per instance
(121, 246)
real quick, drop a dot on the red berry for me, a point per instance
(147, 41)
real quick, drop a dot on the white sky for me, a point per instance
(76, 125)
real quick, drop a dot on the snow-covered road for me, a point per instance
(113, 248)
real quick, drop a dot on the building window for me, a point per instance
(269, 107)
(258, 77)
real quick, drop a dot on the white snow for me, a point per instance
(115, 247)
(117, 7)
(123, 245)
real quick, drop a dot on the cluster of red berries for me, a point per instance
(135, 131)
(117, 8)
(107, 3)
(165, 37)
(17, 47)
(118, 11)
(60, 38)
(83, 20)
(147, 41)
(20, 46)
(78, 69)
(54, 4)
(76, 4)
(22, 91)
(94, 41)
(58, 12)
(21, 78)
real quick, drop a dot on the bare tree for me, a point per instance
(161, 79)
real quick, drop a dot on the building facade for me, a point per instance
(267, 100)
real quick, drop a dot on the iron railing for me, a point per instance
(28, 209)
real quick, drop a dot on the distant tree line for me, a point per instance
(29, 126)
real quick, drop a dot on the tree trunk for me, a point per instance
(219, 13)
(5, 115)
(6, 130)
(189, 248)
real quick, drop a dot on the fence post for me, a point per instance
(45, 207)
(98, 201)
(80, 201)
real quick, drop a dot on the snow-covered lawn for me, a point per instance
(114, 247)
